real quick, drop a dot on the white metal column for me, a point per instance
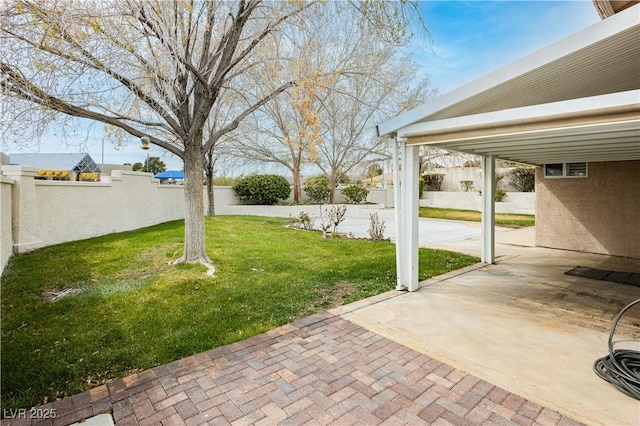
(397, 203)
(488, 209)
(409, 218)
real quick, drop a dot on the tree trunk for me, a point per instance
(296, 184)
(332, 187)
(211, 211)
(194, 237)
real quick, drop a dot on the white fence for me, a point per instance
(36, 213)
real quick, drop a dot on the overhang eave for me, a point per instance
(599, 128)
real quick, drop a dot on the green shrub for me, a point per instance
(317, 188)
(263, 189)
(355, 194)
(433, 181)
(420, 187)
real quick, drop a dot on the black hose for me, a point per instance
(621, 367)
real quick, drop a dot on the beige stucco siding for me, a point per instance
(599, 213)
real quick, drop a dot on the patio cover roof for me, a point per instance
(575, 100)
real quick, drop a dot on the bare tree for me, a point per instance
(286, 131)
(356, 103)
(348, 78)
(143, 68)
(149, 68)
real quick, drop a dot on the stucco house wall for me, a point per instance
(599, 213)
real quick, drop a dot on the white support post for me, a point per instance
(410, 172)
(488, 209)
(397, 203)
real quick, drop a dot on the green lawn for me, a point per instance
(132, 311)
(502, 219)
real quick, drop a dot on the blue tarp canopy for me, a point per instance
(170, 174)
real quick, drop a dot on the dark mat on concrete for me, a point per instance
(634, 279)
(628, 278)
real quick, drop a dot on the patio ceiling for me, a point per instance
(600, 128)
(575, 100)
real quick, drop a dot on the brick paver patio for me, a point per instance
(319, 370)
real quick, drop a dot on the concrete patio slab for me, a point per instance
(523, 325)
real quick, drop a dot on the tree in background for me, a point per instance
(286, 131)
(523, 179)
(155, 69)
(373, 170)
(347, 81)
(355, 104)
(155, 166)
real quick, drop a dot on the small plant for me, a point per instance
(337, 215)
(376, 227)
(302, 221)
(325, 224)
(500, 194)
(317, 188)
(466, 185)
(355, 194)
(263, 189)
(433, 181)
(420, 187)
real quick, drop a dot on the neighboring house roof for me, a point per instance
(553, 105)
(72, 162)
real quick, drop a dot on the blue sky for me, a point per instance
(472, 38)
(469, 39)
